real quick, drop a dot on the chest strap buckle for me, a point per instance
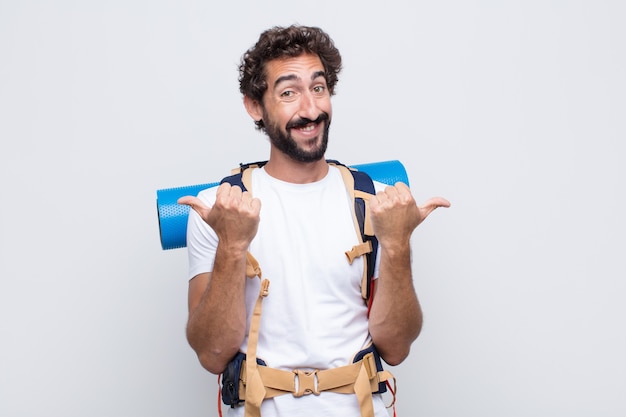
(306, 383)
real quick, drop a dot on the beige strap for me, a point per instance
(252, 266)
(368, 228)
(239, 169)
(364, 394)
(348, 180)
(246, 178)
(255, 392)
(360, 378)
(359, 249)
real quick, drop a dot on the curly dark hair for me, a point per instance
(284, 42)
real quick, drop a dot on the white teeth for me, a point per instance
(308, 128)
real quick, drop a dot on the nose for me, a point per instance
(308, 106)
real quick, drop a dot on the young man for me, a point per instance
(297, 223)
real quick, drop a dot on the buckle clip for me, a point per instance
(306, 383)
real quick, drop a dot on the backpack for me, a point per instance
(365, 375)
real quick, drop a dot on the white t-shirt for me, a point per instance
(314, 316)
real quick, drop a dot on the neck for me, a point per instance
(286, 169)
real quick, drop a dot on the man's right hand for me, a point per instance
(234, 217)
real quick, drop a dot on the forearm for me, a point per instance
(217, 322)
(395, 318)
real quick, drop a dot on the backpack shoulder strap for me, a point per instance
(360, 187)
(242, 175)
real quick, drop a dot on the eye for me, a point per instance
(288, 95)
(319, 89)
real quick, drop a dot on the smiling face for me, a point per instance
(296, 108)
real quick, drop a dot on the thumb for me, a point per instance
(195, 203)
(433, 203)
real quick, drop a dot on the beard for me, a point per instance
(285, 143)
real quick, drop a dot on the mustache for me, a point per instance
(301, 122)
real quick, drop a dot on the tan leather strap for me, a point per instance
(361, 248)
(360, 378)
(368, 228)
(255, 389)
(252, 267)
(246, 178)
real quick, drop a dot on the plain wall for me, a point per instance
(513, 110)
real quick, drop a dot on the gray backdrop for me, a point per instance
(513, 110)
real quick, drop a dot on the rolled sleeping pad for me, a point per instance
(173, 216)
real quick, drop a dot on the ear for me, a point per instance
(254, 108)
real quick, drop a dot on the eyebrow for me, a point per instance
(291, 77)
